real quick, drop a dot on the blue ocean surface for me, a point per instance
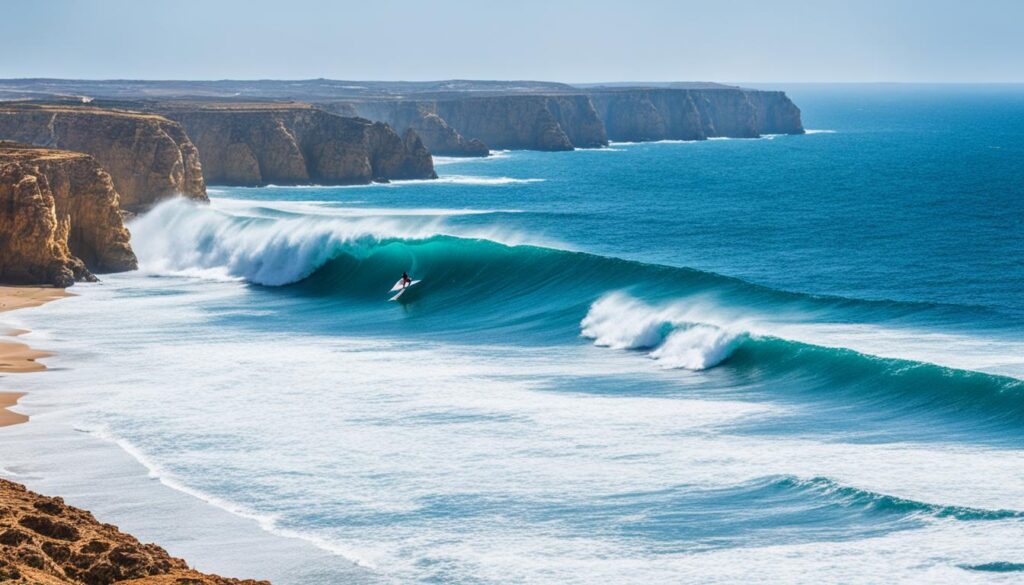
(793, 358)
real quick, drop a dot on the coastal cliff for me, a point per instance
(292, 144)
(466, 126)
(46, 542)
(149, 157)
(59, 218)
(644, 114)
(421, 117)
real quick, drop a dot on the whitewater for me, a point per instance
(721, 361)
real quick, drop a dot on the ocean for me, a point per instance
(786, 359)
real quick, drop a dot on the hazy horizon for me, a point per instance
(791, 41)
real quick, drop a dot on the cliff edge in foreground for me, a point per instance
(149, 157)
(59, 218)
(46, 542)
(295, 144)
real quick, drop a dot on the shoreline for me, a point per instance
(17, 357)
(9, 417)
(49, 541)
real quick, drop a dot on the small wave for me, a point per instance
(812, 131)
(696, 347)
(493, 156)
(337, 209)
(761, 137)
(476, 180)
(696, 336)
(619, 322)
(869, 501)
(306, 186)
(664, 141)
(995, 567)
(373, 185)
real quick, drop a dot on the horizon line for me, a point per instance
(528, 80)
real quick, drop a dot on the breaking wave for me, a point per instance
(493, 283)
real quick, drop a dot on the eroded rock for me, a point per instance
(148, 157)
(59, 221)
(294, 144)
(43, 540)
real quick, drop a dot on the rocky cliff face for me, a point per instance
(149, 157)
(254, 144)
(460, 126)
(637, 114)
(59, 218)
(421, 117)
(534, 122)
(466, 126)
(46, 542)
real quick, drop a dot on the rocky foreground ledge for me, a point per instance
(46, 542)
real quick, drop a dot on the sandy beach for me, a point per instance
(16, 357)
(6, 416)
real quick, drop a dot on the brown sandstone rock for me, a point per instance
(418, 116)
(66, 545)
(461, 126)
(59, 219)
(290, 144)
(149, 157)
(643, 114)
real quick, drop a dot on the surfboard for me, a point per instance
(401, 290)
(398, 285)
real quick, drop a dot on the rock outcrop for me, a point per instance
(420, 117)
(644, 114)
(292, 144)
(44, 541)
(465, 126)
(149, 157)
(59, 218)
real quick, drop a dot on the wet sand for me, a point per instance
(16, 357)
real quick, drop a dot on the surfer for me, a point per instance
(406, 281)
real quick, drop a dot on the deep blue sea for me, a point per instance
(789, 359)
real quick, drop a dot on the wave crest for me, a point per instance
(620, 322)
(181, 238)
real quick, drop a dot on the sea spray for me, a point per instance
(620, 322)
(228, 242)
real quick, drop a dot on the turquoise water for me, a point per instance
(797, 357)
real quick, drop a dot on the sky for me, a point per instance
(553, 40)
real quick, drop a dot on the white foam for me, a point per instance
(181, 238)
(476, 180)
(697, 347)
(620, 322)
(337, 209)
(267, 522)
(813, 131)
(450, 160)
(666, 141)
(442, 180)
(362, 443)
